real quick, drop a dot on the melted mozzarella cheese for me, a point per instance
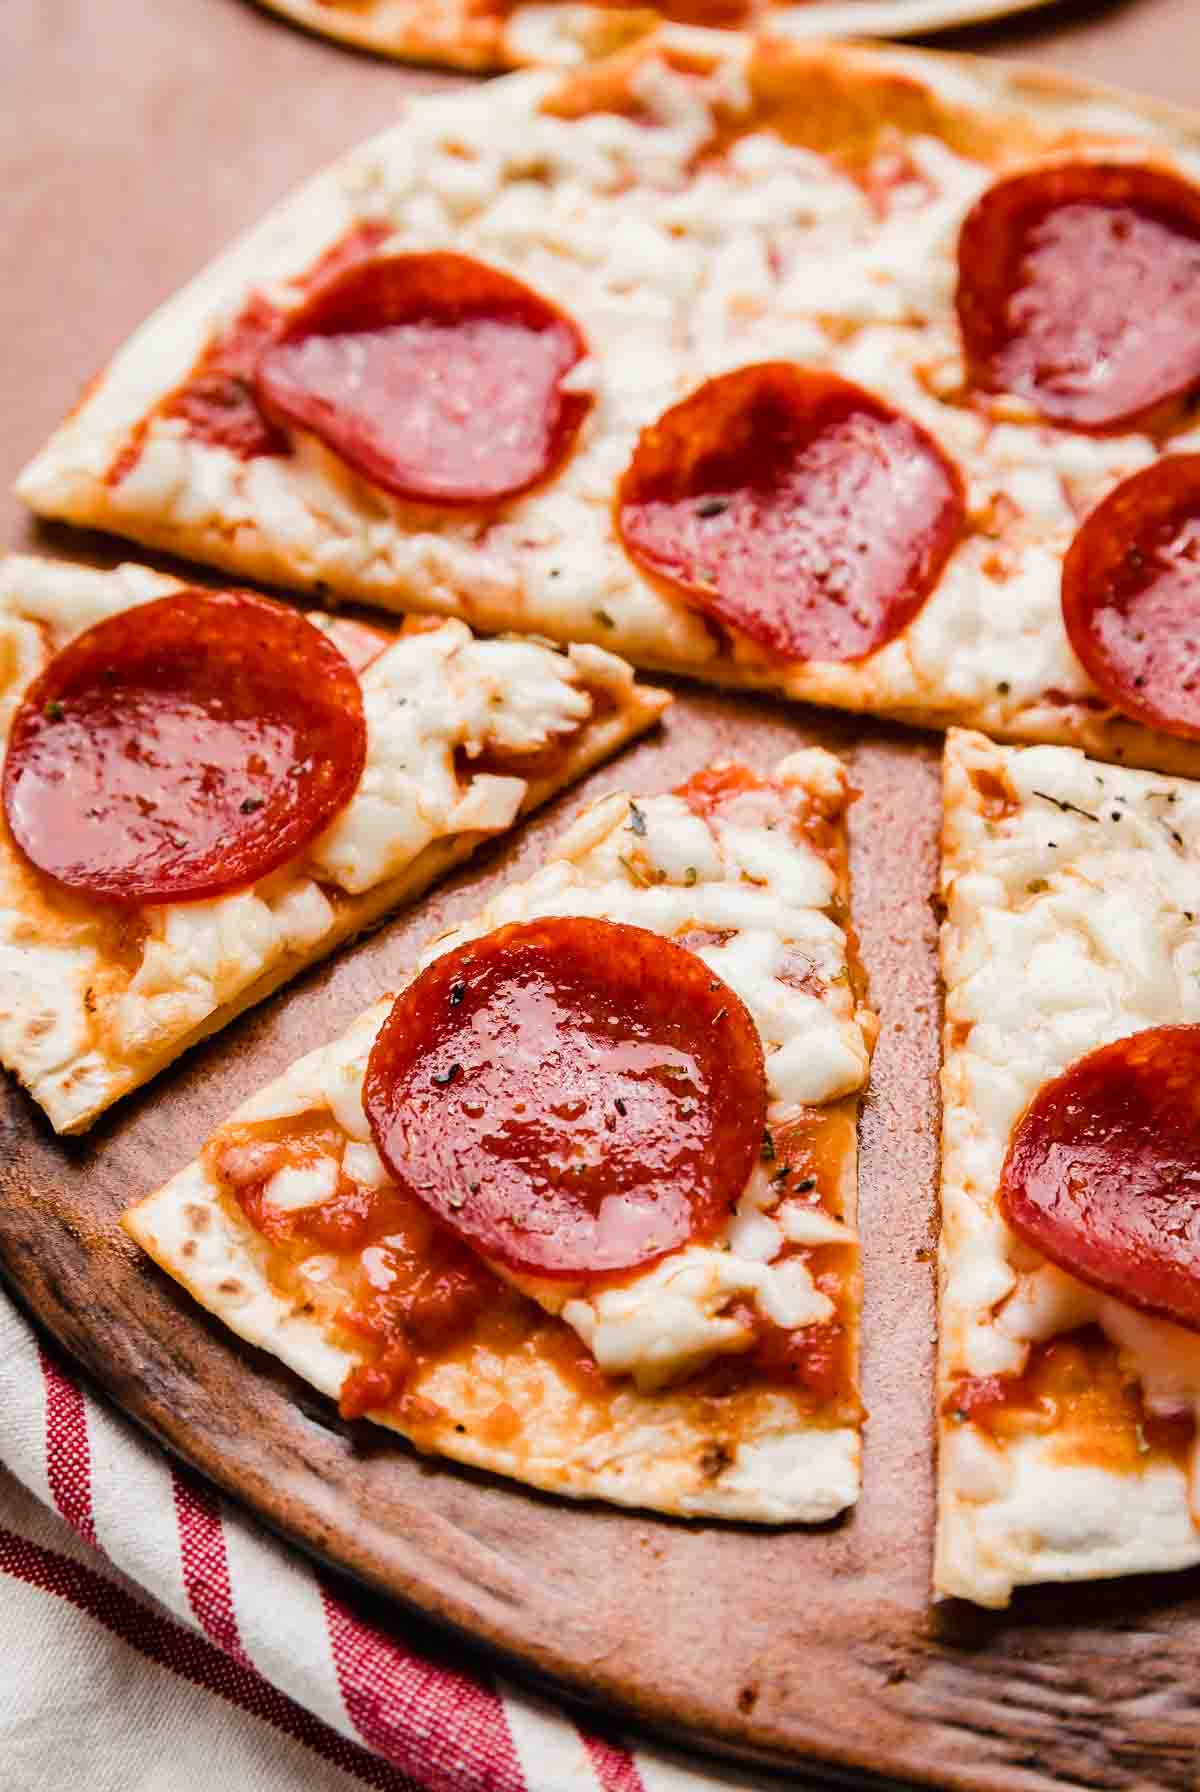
(675, 1318)
(1070, 923)
(772, 896)
(302, 1185)
(435, 701)
(672, 1319)
(675, 273)
(424, 697)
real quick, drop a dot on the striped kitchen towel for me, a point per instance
(160, 1641)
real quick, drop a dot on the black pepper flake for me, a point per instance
(604, 619)
(620, 1107)
(1176, 837)
(767, 1153)
(1004, 687)
(712, 507)
(805, 1187)
(1188, 915)
(782, 1175)
(54, 711)
(1065, 807)
(637, 821)
(251, 804)
(1116, 815)
(690, 875)
(457, 992)
(443, 1078)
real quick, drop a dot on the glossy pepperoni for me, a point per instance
(1079, 290)
(217, 403)
(795, 507)
(569, 1096)
(1131, 595)
(183, 748)
(435, 377)
(1103, 1171)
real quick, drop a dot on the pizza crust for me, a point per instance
(83, 1022)
(1065, 929)
(551, 179)
(463, 36)
(508, 1405)
(642, 1450)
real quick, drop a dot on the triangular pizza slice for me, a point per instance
(205, 791)
(778, 367)
(578, 1204)
(1069, 1379)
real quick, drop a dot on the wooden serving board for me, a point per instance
(774, 1645)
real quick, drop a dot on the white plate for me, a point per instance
(888, 18)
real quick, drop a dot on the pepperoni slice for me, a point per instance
(183, 748)
(1103, 1171)
(795, 507)
(571, 1097)
(437, 378)
(1131, 595)
(216, 403)
(1079, 290)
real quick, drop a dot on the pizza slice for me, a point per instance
(206, 791)
(578, 1204)
(1069, 1377)
(797, 369)
(514, 33)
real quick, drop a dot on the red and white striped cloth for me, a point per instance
(158, 1635)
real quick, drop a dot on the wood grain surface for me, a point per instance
(139, 138)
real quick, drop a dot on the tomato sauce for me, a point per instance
(1074, 1391)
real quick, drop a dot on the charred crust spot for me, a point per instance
(747, 1698)
(198, 1217)
(230, 1285)
(188, 1248)
(714, 1460)
(38, 1026)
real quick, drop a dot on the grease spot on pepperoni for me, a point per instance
(183, 748)
(437, 378)
(571, 1097)
(794, 506)
(1131, 595)
(1103, 1171)
(1079, 290)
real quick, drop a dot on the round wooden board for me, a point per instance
(777, 1645)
